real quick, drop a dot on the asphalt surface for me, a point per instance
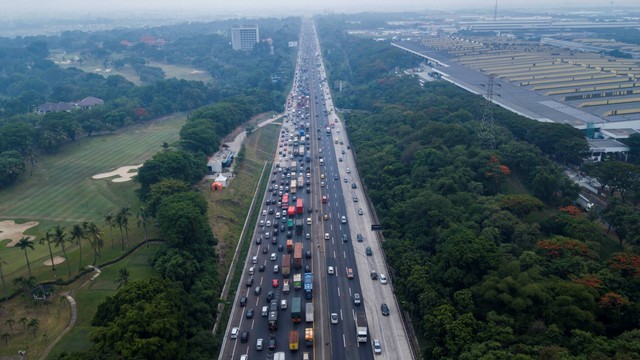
(332, 293)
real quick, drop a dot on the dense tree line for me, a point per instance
(489, 256)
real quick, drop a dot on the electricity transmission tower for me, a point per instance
(486, 133)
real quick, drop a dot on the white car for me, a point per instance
(343, 219)
(234, 333)
(273, 256)
(326, 236)
(330, 270)
(383, 279)
(348, 171)
(377, 348)
(334, 318)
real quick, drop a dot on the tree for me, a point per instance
(77, 234)
(109, 219)
(91, 230)
(60, 240)
(9, 322)
(6, 336)
(33, 325)
(24, 244)
(23, 320)
(123, 277)
(123, 221)
(143, 220)
(48, 239)
(4, 286)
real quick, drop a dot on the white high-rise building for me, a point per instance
(244, 37)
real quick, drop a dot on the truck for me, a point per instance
(289, 245)
(279, 356)
(361, 327)
(293, 186)
(291, 211)
(273, 321)
(293, 340)
(286, 265)
(301, 150)
(308, 285)
(297, 281)
(301, 132)
(300, 181)
(308, 336)
(293, 165)
(299, 224)
(584, 202)
(297, 256)
(290, 224)
(309, 312)
(299, 206)
(285, 201)
(285, 284)
(296, 307)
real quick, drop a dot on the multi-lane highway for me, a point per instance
(313, 201)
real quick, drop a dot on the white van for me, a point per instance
(265, 311)
(251, 270)
(254, 259)
(283, 304)
(308, 221)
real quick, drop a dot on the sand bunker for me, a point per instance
(122, 173)
(196, 72)
(14, 232)
(56, 260)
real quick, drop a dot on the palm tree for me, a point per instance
(77, 234)
(31, 156)
(48, 239)
(123, 277)
(60, 239)
(9, 322)
(122, 221)
(25, 284)
(143, 220)
(24, 244)
(6, 336)
(34, 324)
(93, 233)
(23, 320)
(110, 220)
(4, 286)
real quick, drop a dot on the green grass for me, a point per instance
(90, 296)
(61, 192)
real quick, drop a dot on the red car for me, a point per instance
(275, 283)
(324, 199)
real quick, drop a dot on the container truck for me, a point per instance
(299, 206)
(286, 285)
(297, 256)
(297, 281)
(291, 211)
(290, 224)
(300, 181)
(308, 336)
(286, 265)
(309, 312)
(361, 327)
(289, 245)
(301, 150)
(296, 305)
(293, 186)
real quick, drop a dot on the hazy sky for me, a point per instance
(270, 7)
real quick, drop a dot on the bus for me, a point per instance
(296, 311)
(285, 201)
(292, 187)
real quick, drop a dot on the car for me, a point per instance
(334, 318)
(321, 183)
(250, 282)
(274, 240)
(257, 290)
(307, 236)
(259, 344)
(271, 211)
(265, 249)
(345, 180)
(325, 217)
(355, 198)
(267, 235)
(360, 212)
(330, 270)
(335, 177)
(309, 210)
(340, 159)
(360, 237)
(356, 299)
(243, 301)
(289, 234)
(353, 185)
(261, 223)
(275, 283)
(343, 219)
(374, 275)
(377, 348)
(280, 247)
(282, 226)
(269, 295)
(244, 337)
(261, 268)
(234, 332)
(385, 309)
(307, 254)
(249, 314)
(275, 233)
(278, 215)
(259, 240)
(264, 212)
(343, 151)
(276, 269)
(369, 251)
(268, 202)
(324, 199)
(348, 171)
(383, 279)
(272, 344)
(349, 273)
(348, 147)
(322, 176)
(345, 238)
(307, 269)
(273, 257)
(326, 236)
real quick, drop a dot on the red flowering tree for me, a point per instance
(613, 300)
(560, 245)
(627, 264)
(496, 171)
(572, 210)
(591, 281)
